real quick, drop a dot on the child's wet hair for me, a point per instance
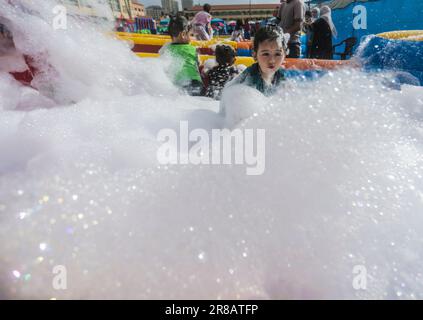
(225, 54)
(177, 25)
(270, 33)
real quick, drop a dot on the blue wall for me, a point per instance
(382, 16)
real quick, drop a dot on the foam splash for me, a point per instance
(80, 185)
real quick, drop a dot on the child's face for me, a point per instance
(270, 56)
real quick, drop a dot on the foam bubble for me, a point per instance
(80, 180)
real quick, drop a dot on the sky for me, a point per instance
(158, 2)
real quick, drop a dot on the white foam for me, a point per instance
(342, 186)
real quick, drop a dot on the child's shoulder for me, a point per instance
(181, 45)
(182, 48)
(253, 69)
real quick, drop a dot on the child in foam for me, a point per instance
(223, 72)
(270, 50)
(243, 95)
(187, 74)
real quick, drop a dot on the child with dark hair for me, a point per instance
(224, 72)
(270, 50)
(187, 76)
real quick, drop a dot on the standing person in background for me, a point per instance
(323, 31)
(238, 33)
(308, 31)
(154, 30)
(247, 30)
(201, 24)
(310, 17)
(291, 17)
(315, 14)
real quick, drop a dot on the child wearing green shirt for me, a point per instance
(187, 75)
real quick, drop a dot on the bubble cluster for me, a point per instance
(80, 186)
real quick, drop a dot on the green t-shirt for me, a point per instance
(187, 54)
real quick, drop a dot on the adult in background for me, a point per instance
(315, 14)
(247, 30)
(308, 31)
(323, 31)
(291, 17)
(238, 34)
(201, 24)
(310, 17)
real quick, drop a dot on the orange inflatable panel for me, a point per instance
(247, 45)
(317, 64)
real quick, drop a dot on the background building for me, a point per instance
(154, 11)
(187, 4)
(122, 9)
(175, 6)
(138, 9)
(125, 7)
(79, 8)
(240, 11)
(170, 6)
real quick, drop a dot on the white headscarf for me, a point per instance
(326, 14)
(317, 11)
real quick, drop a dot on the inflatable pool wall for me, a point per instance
(397, 51)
